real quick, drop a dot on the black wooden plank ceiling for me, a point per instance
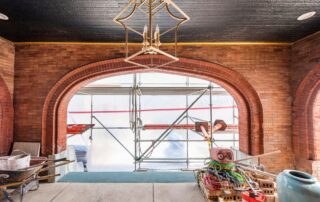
(211, 20)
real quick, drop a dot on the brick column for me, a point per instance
(6, 118)
(306, 123)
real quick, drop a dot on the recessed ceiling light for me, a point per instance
(306, 15)
(3, 17)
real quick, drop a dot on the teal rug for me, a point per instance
(129, 177)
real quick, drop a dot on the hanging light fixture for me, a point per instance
(150, 36)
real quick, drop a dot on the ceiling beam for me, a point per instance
(240, 43)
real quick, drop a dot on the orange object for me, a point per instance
(219, 125)
(78, 128)
(202, 126)
(246, 197)
(222, 155)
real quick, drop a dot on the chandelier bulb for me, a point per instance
(157, 36)
(145, 36)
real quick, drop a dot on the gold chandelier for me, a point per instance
(151, 38)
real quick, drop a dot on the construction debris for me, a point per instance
(225, 181)
(18, 181)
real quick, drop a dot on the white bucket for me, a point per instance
(15, 162)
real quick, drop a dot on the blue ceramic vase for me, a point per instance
(297, 186)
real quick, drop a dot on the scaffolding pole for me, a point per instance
(91, 117)
(139, 129)
(165, 133)
(113, 136)
(211, 119)
(187, 115)
(233, 121)
(134, 97)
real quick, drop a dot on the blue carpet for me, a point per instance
(129, 177)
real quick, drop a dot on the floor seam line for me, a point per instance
(59, 192)
(153, 192)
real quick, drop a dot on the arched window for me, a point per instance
(148, 121)
(306, 118)
(54, 116)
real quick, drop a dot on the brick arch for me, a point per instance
(6, 118)
(306, 117)
(54, 114)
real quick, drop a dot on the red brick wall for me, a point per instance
(6, 91)
(7, 62)
(305, 82)
(316, 126)
(305, 56)
(266, 68)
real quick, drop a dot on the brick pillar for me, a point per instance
(6, 119)
(316, 126)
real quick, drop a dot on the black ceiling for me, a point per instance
(211, 20)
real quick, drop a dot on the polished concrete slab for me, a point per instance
(177, 192)
(119, 192)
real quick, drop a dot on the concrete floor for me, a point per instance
(134, 192)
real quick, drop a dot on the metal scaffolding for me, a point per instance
(140, 156)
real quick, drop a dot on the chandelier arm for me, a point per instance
(128, 59)
(168, 30)
(128, 16)
(165, 64)
(165, 54)
(185, 18)
(141, 3)
(170, 2)
(127, 41)
(135, 31)
(144, 12)
(176, 42)
(158, 10)
(117, 19)
(182, 20)
(176, 37)
(157, 6)
(151, 45)
(153, 8)
(138, 64)
(150, 23)
(133, 55)
(178, 26)
(147, 67)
